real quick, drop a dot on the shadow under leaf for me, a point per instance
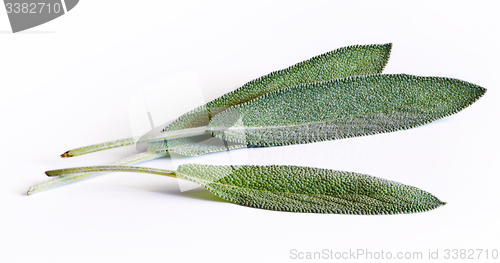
(198, 193)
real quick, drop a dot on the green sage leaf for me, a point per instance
(340, 63)
(308, 190)
(343, 108)
(294, 188)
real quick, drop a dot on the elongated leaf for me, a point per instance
(340, 63)
(343, 108)
(308, 190)
(294, 188)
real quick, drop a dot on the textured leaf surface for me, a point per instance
(343, 108)
(308, 190)
(340, 63)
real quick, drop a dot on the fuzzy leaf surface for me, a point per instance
(308, 190)
(340, 63)
(343, 108)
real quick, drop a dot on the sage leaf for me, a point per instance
(295, 188)
(343, 108)
(343, 62)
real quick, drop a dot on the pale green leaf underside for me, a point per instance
(340, 63)
(308, 190)
(343, 108)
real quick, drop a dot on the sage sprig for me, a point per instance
(294, 188)
(328, 97)
(340, 63)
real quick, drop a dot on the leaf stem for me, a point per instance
(129, 141)
(111, 168)
(99, 147)
(63, 180)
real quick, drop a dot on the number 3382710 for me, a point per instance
(33, 8)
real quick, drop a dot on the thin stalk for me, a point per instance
(63, 180)
(129, 141)
(111, 168)
(99, 147)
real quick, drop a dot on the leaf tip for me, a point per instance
(482, 91)
(438, 204)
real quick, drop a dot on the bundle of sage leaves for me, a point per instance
(339, 94)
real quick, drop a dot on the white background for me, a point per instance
(69, 82)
